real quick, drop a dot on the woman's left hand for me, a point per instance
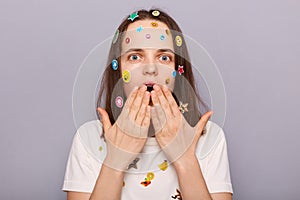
(174, 135)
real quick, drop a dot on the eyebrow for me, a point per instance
(141, 50)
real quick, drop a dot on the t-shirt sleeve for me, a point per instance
(80, 173)
(218, 173)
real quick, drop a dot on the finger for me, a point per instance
(155, 120)
(136, 104)
(143, 109)
(163, 101)
(146, 120)
(130, 99)
(202, 122)
(105, 119)
(157, 110)
(171, 100)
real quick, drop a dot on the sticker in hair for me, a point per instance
(119, 102)
(116, 36)
(155, 13)
(180, 69)
(133, 16)
(178, 40)
(114, 64)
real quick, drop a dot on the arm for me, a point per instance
(103, 188)
(188, 171)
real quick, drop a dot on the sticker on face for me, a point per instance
(126, 76)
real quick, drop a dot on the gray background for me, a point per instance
(254, 43)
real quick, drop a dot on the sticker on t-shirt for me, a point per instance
(164, 165)
(148, 179)
(177, 195)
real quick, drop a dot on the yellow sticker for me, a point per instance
(150, 176)
(126, 76)
(163, 166)
(178, 40)
(154, 24)
(155, 13)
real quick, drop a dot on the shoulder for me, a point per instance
(90, 136)
(213, 137)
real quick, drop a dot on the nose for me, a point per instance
(150, 69)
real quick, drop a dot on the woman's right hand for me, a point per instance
(127, 137)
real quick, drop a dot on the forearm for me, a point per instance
(191, 181)
(108, 185)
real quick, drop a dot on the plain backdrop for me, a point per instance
(255, 44)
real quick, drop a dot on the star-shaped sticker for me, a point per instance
(133, 16)
(139, 29)
(133, 164)
(183, 107)
(180, 69)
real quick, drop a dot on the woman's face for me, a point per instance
(147, 55)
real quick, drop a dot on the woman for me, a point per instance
(154, 146)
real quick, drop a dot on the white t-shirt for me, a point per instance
(152, 177)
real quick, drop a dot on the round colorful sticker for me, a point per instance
(126, 76)
(174, 73)
(119, 102)
(148, 36)
(178, 40)
(154, 24)
(114, 64)
(162, 37)
(127, 40)
(155, 13)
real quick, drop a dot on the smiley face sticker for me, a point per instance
(178, 40)
(126, 76)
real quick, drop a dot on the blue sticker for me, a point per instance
(139, 29)
(114, 64)
(174, 73)
(162, 37)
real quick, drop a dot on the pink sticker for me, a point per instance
(119, 102)
(148, 36)
(127, 40)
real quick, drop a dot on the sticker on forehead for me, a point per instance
(154, 24)
(155, 38)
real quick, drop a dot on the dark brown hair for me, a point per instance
(111, 77)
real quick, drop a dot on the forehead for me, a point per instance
(147, 34)
(146, 23)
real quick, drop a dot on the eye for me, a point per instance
(165, 58)
(134, 57)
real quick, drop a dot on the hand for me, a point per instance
(174, 135)
(127, 137)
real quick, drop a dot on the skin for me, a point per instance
(138, 104)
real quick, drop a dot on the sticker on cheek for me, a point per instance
(119, 102)
(174, 73)
(167, 80)
(126, 76)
